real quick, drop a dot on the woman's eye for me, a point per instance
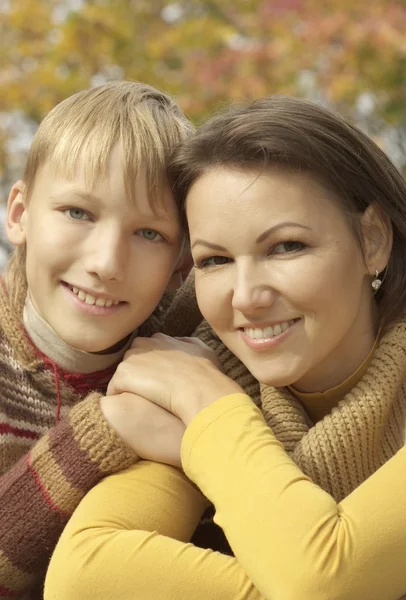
(287, 247)
(150, 235)
(77, 214)
(212, 261)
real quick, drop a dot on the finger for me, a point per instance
(161, 336)
(194, 341)
(142, 342)
(140, 380)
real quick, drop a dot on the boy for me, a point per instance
(98, 239)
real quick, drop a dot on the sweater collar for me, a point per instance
(48, 342)
(360, 434)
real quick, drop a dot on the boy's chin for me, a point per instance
(115, 348)
(92, 346)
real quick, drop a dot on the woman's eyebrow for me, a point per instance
(266, 233)
(209, 245)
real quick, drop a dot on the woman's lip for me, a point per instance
(267, 343)
(265, 324)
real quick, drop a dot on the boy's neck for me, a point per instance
(71, 359)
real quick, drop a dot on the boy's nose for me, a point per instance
(108, 258)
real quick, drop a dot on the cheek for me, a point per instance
(49, 239)
(330, 293)
(212, 299)
(151, 267)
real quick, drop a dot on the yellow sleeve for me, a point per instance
(126, 541)
(291, 537)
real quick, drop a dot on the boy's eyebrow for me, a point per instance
(155, 217)
(81, 193)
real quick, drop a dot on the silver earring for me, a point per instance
(376, 283)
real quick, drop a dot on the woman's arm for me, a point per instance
(126, 540)
(290, 536)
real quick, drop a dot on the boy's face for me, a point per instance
(97, 262)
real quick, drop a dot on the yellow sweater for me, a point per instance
(290, 538)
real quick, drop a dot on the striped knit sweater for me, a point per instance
(55, 445)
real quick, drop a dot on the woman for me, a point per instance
(297, 226)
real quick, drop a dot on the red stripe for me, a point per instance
(6, 593)
(18, 432)
(43, 491)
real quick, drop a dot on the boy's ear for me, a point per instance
(15, 214)
(378, 238)
(181, 271)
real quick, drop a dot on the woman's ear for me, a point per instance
(377, 236)
(15, 214)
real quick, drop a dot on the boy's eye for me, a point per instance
(150, 235)
(287, 247)
(212, 261)
(77, 214)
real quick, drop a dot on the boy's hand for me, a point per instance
(152, 432)
(182, 376)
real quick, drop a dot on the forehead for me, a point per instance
(109, 183)
(255, 194)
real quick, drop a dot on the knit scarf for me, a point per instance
(365, 429)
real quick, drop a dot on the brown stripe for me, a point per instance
(29, 528)
(15, 578)
(54, 484)
(75, 464)
(23, 402)
(11, 452)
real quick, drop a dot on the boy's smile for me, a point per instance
(97, 262)
(91, 298)
(92, 302)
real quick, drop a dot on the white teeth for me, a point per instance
(90, 299)
(267, 332)
(277, 330)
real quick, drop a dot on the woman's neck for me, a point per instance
(341, 363)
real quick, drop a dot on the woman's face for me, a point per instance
(280, 276)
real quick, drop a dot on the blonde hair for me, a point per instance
(145, 123)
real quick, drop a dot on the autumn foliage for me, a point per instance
(348, 54)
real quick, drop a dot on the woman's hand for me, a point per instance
(152, 432)
(182, 375)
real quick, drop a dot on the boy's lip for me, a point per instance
(93, 292)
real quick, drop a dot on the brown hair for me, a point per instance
(302, 136)
(146, 124)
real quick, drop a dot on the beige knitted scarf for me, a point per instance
(360, 434)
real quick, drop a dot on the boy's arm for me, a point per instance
(126, 540)
(40, 492)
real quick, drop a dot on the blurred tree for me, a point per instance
(348, 54)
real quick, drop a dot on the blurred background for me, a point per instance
(349, 55)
